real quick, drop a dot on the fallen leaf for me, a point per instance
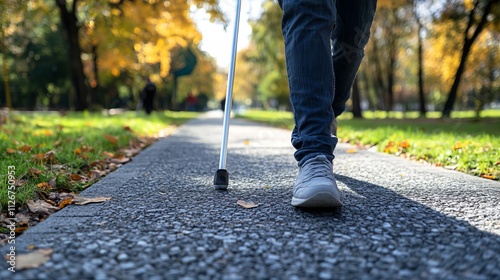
(22, 220)
(10, 151)
(405, 144)
(488, 177)
(111, 139)
(32, 260)
(34, 172)
(80, 200)
(351, 151)
(108, 154)
(246, 142)
(65, 202)
(41, 206)
(49, 157)
(127, 128)
(76, 177)
(78, 151)
(95, 174)
(26, 149)
(246, 204)
(38, 158)
(44, 186)
(120, 160)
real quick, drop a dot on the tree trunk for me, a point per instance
(6, 81)
(94, 95)
(356, 100)
(421, 92)
(452, 95)
(379, 84)
(468, 42)
(70, 23)
(390, 82)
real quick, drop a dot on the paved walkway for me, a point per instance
(401, 219)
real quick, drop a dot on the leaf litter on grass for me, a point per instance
(61, 156)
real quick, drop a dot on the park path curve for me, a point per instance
(401, 219)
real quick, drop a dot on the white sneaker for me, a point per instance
(315, 185)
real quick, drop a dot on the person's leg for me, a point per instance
(307, 27)
(354, 19)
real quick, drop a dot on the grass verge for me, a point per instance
(53, 153)
(462, 143)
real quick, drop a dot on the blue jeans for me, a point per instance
(324, 46)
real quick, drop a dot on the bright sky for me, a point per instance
(217, 41)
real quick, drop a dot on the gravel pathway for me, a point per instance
(401, 220)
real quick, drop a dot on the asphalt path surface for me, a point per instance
(400, 220)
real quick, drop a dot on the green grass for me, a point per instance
(78, 142)
(463, 142)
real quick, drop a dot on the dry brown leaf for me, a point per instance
(10, 151)
(41, 206)
(127, 128)
(34, 172)
(95, 174)
(108, 154)
(34, 259)
(488, 177)
(80, 200)
(120, 160)
(111, 139)
(246, 204)
(78, 151)
(50, 157)
(22, 220)
(26, 149)
(76, 177)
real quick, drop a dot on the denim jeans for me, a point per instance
(324, 46)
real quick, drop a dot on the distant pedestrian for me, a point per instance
(148, 95)
(191, 102)
(223, 104)
(324, 46)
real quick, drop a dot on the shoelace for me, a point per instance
(317, 170)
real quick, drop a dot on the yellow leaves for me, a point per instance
(351, 151)
(459, 146)
(395, 147)
(44, 186)
(65, 202)
(43, 132)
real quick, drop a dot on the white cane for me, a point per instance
(221, 180)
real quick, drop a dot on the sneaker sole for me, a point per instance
(318, 200)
